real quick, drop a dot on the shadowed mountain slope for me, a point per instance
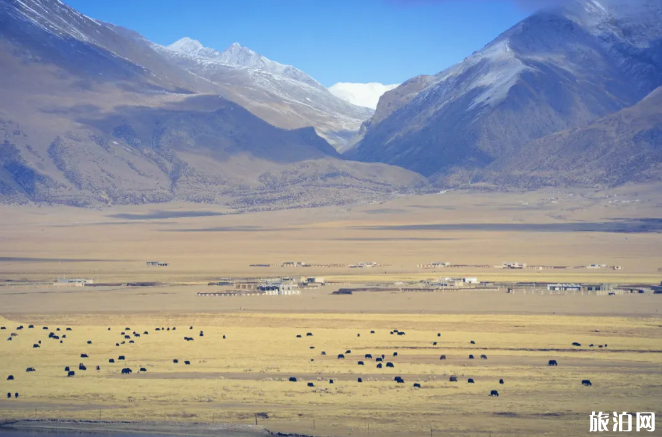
(622, 147)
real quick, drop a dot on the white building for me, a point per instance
(564, 287)
(364, 265)
(440, 264)
(280, 288)
(74, 281)
(596, 266)
(512, 265)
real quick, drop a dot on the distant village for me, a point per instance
(295, 264)
(436, 265)
(514, 265)
(294, 285)
(267, 287)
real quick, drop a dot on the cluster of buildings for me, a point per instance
(157, 264)
(312, 281)
(511, 265)
(579, 287)
(72, 282)
(271, 287)
(268, 287)
(453, 282)
(514, 265)
(294, 264)
(364, 265)
(601, 266)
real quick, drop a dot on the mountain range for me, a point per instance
(95, 114)
(280, 94)
(558, 69)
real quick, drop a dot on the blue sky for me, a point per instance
(386, 41)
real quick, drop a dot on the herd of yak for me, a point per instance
(128, 337)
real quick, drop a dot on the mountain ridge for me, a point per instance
(550, 72)
(240, 56)
(278, 93)
(620, 148)
(101, 119)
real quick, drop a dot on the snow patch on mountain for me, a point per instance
(237, 56)
(493, 71)
(633, 21)
(361, 94)
(279, 93)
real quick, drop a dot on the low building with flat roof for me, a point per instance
(564, 287)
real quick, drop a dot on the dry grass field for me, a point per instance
(231, 379)
(620, 227)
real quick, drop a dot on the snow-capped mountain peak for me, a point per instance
(186, 45)
(236, 56)
(192, 47)
(241, 56)
(280, 94)
(361, 94)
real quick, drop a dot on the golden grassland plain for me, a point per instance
(619, 227)
(231, 379)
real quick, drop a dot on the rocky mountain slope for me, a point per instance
(557, 69)
(277, 93)
(90, 115)
(622, 147)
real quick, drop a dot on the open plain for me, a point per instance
(240, 368)
(207, 242)
(242, 365)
